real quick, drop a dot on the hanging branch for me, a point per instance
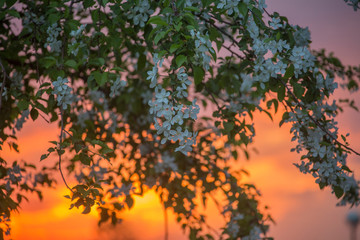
(315, 121)
(3, 81)
(288, 90)
(60, 149)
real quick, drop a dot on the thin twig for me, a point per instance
(213, 98)
(44, 118)
(99, 29)
(87, 148)
(60, 148)
(232, 52)
(316, 122)
(3, 82)
(36, 54)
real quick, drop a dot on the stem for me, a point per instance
(3, 82)
(59, 153)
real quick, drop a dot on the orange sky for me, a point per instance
(300, 209)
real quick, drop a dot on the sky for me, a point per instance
(300, 209)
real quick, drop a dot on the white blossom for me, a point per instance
(116, 87)
(53, 32)
(140, 13)
(62, 92)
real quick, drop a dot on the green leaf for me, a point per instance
(281, 93)
(118, 69)
(228, 126)
(271, 102)
(322, 185)
(78, 147)
(141, 62)
(159, 36)
(97, 62)
(13, 13)
(346, 168)
(34, 114)
(44, 156)
(23, 105)
(86, 210)
(214, 34)
(53, 18)
(71, 63)
(100, 78)
(175, 46)
(289, 72)
(199, 74)
(85, 159)
(48, 62)
(88, 3)
(129, 201)
(193, 9)
(298, 90)
(157, 20)
(338, 191)
(243, 8)
(285, 116)
(9, 3)
(180, 60)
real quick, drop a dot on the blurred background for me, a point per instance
(300, 209)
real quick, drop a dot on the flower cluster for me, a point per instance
(53, 32)
(168, 115)
(32, 18)
(324, 161)
(63, 92)
(167, 162)
(232, 6)
(261, 5)
(302, 59)
(75, 45)
(202, 47)
(20, 121)
(152, 75)
(140, 13)
(116, 87)
(275, 23)
(302, 36)
(13, 177)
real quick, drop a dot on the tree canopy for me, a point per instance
(142, 90)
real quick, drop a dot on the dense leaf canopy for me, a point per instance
(143, 90)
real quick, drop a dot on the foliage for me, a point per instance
(125, 81)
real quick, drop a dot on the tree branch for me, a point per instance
(60, 148)
(3, 81)
(315, 121)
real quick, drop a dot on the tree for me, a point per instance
(126, 81)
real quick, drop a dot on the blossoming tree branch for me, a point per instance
(141, 91)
